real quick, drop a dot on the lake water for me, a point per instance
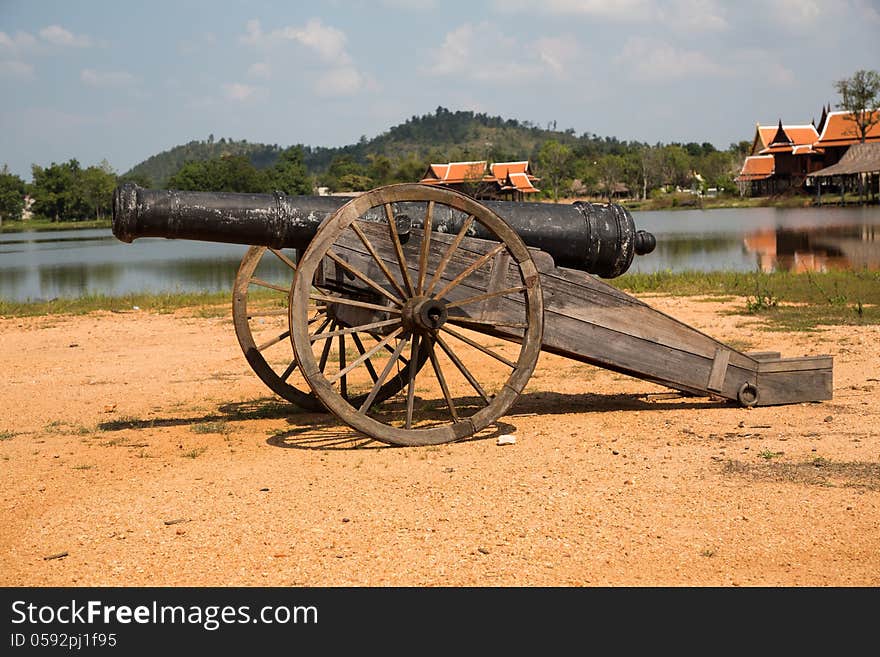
(70, 263)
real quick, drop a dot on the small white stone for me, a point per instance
(506, 439)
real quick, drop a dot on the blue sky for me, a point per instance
(122, 80)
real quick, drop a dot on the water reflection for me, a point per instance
(816, 249)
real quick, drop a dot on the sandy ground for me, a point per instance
(612, 480)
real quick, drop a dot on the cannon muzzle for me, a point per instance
(600, 239)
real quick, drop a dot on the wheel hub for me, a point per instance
(422, 314)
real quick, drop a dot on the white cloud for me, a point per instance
(556, 54)
(326, 41)
(483, 53)
(16, 69)
(410, 5)
(58, 36)
(796, 13)
(696, 15)
(333, 71)
(18, 41)
(342, 81)
(621, 10)
(95, 78)
(260, 70)
(238, 91)
(654, 60)
(868, 12)
(676, 14)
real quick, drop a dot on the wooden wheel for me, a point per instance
(263, 329)
(432, 297)
(262, 326)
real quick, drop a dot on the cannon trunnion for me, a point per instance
(416, 314)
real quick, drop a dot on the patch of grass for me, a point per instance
(194, 453)
(784, 300)
(44, 225)
(707, 552)
(83, 467)
(767, 454)
(211, 427)
(816, 472)
(161, 303)
(126, 422)
(113, 442)
(7, 435)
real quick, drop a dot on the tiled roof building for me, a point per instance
(783, 157)
(501, 180)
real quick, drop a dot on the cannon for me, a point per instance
(416, 314)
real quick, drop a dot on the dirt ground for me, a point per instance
(107, 457)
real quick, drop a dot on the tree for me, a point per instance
(98, 184)
(610, 169)
(555, 162)
(289, 174)
(58, 191)
(232, 173)
(860, 96)
(12, 192)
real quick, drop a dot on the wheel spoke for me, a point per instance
(267, 313)
(286, 373)
(366, 242)
(259, 281)
(365, 356)
(476, 264)
(449, 253)
(352, 330)
(352, 302)
(464, 370)
(488, 295)
(411, 388)
(477, 345)
(287, 261)
(378, 385)
(426, 242)
(442, 379)
(325, 352)
(341, 377)
(398, 249)
(363, 277)
(274, 341)
(360, 348)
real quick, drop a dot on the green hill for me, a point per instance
(439, 137)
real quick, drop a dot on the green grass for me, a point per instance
(786, 301)
(211, 427)
(162, 303)
(204, 304)
(7, 435)
(43, 225)
(194, 453)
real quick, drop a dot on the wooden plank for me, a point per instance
(796, 364)
(763, 355)
(719, 370)
(793, 387)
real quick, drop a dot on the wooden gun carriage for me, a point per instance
(416, 314)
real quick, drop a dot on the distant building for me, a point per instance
(785, 157)
(511, 181)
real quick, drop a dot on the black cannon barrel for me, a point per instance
(596, 238)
